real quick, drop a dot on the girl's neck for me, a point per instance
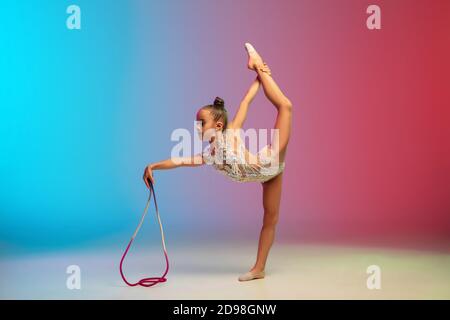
(216, 137)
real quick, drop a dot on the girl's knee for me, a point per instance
(286, 105)
(270, 219)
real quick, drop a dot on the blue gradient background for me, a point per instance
(62, 97)
(84, 111)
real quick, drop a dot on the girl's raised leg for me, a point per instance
(278, 99)
(284, 117)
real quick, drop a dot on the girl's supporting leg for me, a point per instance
(271, 204)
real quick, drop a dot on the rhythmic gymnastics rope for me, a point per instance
(151, 281)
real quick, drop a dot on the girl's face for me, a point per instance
(206, 126)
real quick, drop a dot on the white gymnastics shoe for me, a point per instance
(252, 276)
(249, 47)
(254, 59)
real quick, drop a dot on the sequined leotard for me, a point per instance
(256, 168)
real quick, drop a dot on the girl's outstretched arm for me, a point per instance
(171, 163)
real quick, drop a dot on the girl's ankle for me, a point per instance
(257, 269)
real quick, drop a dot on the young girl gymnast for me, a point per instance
(228, 154)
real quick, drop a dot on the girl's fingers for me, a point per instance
(146, 182)
(266, 68)
(150, 175)
(145, 179)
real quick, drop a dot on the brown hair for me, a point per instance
(218, 111)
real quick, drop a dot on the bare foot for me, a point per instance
(254, 59)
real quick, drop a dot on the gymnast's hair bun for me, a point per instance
(218, 102)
